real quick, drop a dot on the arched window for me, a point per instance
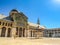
(3, 23)
(6, 24)
(3, 31)
(11, 25)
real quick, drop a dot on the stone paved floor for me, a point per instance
(27, 41)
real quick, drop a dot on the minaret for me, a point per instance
(38, 22)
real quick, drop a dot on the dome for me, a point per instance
(14, 10)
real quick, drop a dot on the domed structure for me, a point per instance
(12, 13)
(17, 25)
(14, 10)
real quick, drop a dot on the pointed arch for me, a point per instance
(23, 32)
(20, 32)
(9, 32)
(3, 31)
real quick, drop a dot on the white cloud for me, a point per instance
(53, 4)
(56, 2)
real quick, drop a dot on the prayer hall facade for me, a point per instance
(17, 25)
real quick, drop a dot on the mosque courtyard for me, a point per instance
(29, 41)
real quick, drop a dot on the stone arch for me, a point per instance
(9, 32)
(50, 34)
(16, 30)
(3, 31)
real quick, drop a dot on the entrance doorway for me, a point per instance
(23, 32)
(9, 32)
(3, 31)
(20, 32)
(17, 31)
(50, 34)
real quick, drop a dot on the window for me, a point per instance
(6, 24)
(11, 25)
(3, 23)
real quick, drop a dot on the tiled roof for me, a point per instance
(9, 19)
(35, 25)
(3, 17)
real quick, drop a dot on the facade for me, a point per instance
(55, 32)
(17, 25)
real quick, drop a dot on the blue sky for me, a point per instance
(48, 11)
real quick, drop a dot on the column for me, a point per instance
(57, 33)
(26, 33)
(54, 33)
(0, 32)
(48, 33)
(18, 31)
(22, 32)
(29, 34)
(13, 32)
(6, 33)
(32, 33)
